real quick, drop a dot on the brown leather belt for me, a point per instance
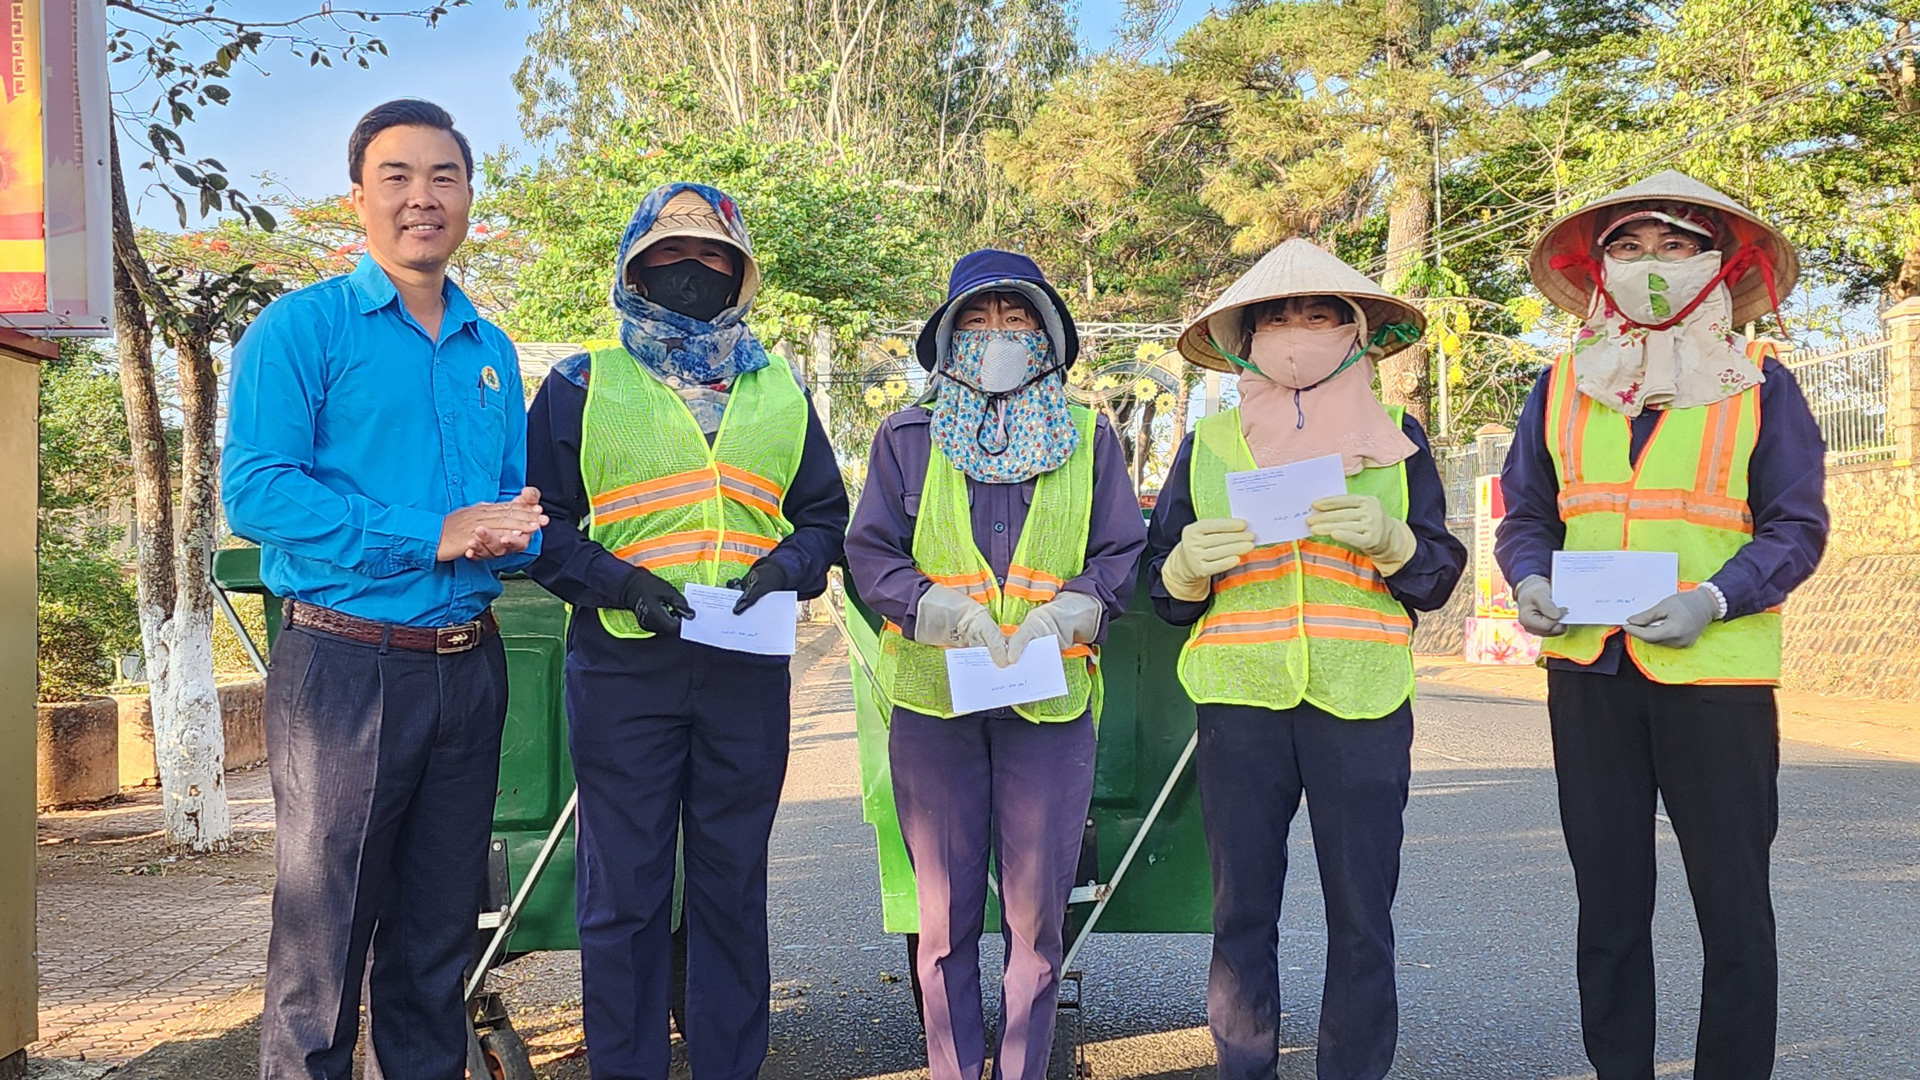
(433, 639)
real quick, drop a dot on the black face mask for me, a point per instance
(689, 287)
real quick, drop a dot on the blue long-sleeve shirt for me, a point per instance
(1786, 492)
(585, 574)
(352, 434)
(1423, 584)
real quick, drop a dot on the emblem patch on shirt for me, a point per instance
(490, 377)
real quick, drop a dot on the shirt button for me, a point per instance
(999, 526)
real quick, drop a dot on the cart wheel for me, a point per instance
(677, 989)
(505, 1054)
(913, 977)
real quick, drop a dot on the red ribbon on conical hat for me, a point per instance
(1749, 257)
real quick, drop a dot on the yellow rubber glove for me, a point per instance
(1207, 547)
(1360, 521)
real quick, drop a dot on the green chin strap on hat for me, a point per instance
(1405, 333)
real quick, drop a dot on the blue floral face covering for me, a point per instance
(999, 421)
(680, 349)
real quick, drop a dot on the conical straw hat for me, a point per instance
(1576, 234)
(1295, 268)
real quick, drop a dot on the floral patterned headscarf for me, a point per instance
(1003, 438)
(681, 350)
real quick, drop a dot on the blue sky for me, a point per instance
(292, 120)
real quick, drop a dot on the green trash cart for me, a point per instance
(530, 859)
(1144, 864)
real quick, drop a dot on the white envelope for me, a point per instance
(769, 627)
(1275, 502)
(978, 684)
(1606, 588)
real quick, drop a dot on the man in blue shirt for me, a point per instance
(376, 449)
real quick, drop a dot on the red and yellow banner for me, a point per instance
(23, 202)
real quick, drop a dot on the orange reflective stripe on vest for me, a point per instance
(1686, 493)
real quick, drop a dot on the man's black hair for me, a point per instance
(405, 112)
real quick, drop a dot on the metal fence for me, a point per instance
(1848, 391)
(1461, 466)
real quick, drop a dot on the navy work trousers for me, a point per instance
(1253, 766)
(384, 765)
(1712, 754)
(669, 735)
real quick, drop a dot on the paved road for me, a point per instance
(1485, 927)
(1485, 924)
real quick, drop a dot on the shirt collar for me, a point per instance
(375, 290)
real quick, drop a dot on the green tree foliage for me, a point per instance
(1110, 172)
(908, 85)
(1809, 113)
(838, 246)
(1319, 118)
(86, 610)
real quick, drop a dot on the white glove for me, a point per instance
(1207, 547)
(1533, 597)
(1073, 617)
(1678, 621)
(951, 619)
(1360, 521)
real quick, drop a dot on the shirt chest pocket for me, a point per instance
(484, 431)
(910, 500)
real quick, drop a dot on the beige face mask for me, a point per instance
(1311, 395)
(1300, 358)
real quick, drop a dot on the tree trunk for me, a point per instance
(1404, 378)
(197, 814)
(195, 801)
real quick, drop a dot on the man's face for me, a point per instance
(996, 311)
(1638, 239)
(1310, 312)
(413, 197)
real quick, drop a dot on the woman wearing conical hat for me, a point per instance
(1301, 658)
(1666, 430)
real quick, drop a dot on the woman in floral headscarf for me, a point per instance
(997, 516)
(684, 454)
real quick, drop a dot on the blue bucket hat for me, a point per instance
(990, 270)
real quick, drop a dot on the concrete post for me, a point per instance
(1903, 378)
(822, 381)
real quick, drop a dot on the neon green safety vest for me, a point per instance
(1688, 495)
(1051, 552)
(663, 497)
(1310, 620)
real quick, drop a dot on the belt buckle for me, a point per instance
(456, 639)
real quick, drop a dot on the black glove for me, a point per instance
(764, 577)
(658, 605)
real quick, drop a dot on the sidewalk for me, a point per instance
(139, 947)
(1864, 725)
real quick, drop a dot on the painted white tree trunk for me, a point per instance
(189, 742)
